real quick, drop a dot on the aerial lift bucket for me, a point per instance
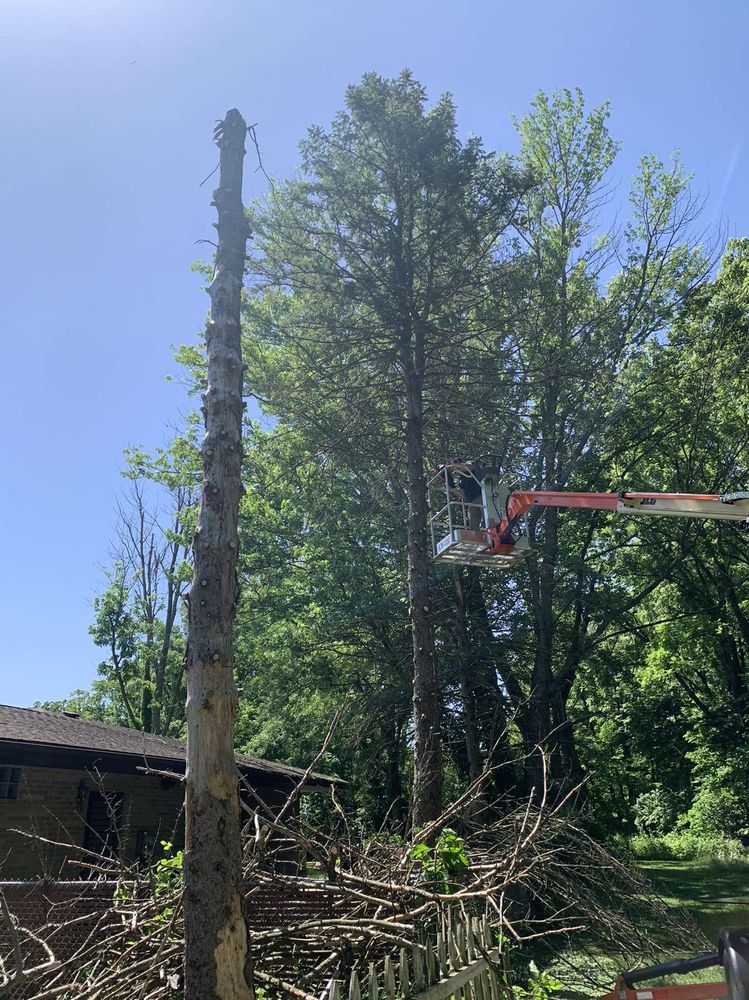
(462, 529)
(477, 514)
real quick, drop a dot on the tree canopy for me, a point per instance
(411, 296)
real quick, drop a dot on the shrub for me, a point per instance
(720, 804)
(717, 810)
(685, 845)
(541, 985)
(445, 860)
(656, 811)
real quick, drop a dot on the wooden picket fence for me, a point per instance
(460, 961)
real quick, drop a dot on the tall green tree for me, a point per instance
(689, 641)
(370, 269)
(138, 619)
(591, 297)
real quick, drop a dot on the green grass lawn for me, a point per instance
(715, 894)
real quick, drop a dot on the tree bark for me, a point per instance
(394, 798)
(216, 947)
(569, 773)
(535, 720)
(497, 692)
(427, 781)
(466, 680)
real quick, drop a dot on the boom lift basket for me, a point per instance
(460, 527)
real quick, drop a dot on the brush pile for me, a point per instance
(537, 876)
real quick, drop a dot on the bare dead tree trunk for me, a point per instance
(216, 947)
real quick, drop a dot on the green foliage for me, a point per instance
(166, 877)
(718, 810)
(95, 703)
(720, 805)
(320, 625)
(444, 861)
(540, 985)
(138, 618)
(685, 845)
(167, 872)
(669, 700)
(381, 259)
(655, 811)
(586, 356)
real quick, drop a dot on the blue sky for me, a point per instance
(106, 111)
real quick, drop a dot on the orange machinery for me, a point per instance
(476, 519)
(732, 955)
(477, 513)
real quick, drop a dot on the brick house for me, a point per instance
(69, 780)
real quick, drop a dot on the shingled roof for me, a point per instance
(39, 728)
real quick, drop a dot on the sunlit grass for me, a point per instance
(715, 894)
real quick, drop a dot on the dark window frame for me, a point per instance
(10, 781)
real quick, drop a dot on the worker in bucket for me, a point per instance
(464, 486)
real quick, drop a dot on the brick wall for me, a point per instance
(52, 804)
(269, 904)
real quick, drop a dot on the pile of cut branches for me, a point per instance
(529, 867)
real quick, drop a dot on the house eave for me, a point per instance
(33, 754)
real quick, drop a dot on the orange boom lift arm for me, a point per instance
(477, 513)
(476, 519)
(730, 507)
